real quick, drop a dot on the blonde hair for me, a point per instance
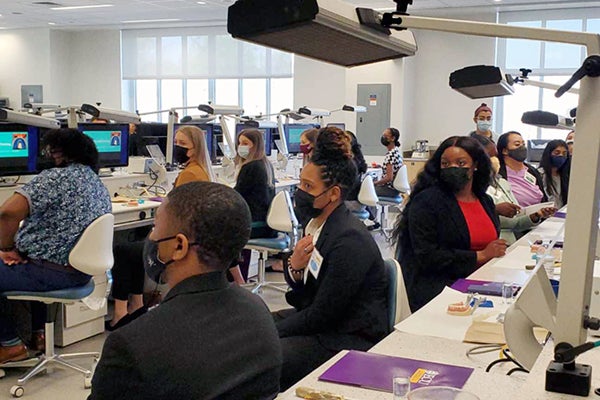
(257, 152)
(198, 138)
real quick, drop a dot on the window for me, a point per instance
(165, 68)
(550, 62)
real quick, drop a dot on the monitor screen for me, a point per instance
(207, 129)
(293, 132)
(112, 142)
(18, 149)
(150, 133)
(267, 135)
(339, 125)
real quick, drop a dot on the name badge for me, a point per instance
(314, 264)
(530, 178)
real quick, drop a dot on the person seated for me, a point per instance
(308, 140)
(191, 152)
(256, 184)
(208, 338)
(449, 227)
(483, 123)
(513, 223)
(361, 168)
(524, 179)
(555, 172)
(340, 301)
(392, 162)
(54, 208)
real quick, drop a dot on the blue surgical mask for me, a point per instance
(558, 161)
(483, 125)
(243, 151)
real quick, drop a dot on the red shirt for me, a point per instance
(481, 228)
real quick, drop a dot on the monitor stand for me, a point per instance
(105, 173)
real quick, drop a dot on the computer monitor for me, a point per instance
(339, 125)
(535, 149)
(112, 142)
(18, 149)
(292, 135)
(208, 130)
(267, 135)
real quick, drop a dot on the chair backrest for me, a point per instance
(281, 215)
(93, 252)
(401, 182)
(398, 307)
(367, 194)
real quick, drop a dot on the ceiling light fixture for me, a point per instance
(202, 3)
(150, 20)
(51, 23)
(81, 7)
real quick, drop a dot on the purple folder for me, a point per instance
(376, 371)
(462, 285)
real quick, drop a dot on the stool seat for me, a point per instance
(281, 242)
(394, 200)
(362, 215)
(71, 294)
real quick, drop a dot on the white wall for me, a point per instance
(25, 60)
(432, 110)
(95, 66)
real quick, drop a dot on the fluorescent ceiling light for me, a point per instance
(51, 23)
(135, 21)
(81, 7)
(201, 2)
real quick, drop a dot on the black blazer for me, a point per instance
(254, 186)
(434, 250)
(533, 171)
(207, 339)
(346, 307)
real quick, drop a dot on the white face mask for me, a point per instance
(243, 151)
(484, 126)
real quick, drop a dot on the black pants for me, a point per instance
(128, 272)
(301, 354)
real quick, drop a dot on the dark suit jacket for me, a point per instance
(254, 186)
(346, 307)
(434, 250)
(207, 339)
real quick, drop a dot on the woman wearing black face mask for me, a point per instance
(336, 271)
(392, 162)
(554, 171)
(525, 180)
(128, 272)
(191, 152)
(449, 227)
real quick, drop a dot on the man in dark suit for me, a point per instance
(208, 338)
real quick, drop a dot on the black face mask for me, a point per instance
(153, 265)
(518, 154)
(454, 178)
(385, 141)
(180, 154)
(304, 208)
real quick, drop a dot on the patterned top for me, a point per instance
(62, 203)
(393, 157)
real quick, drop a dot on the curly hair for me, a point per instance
(430, 176)
(333, 154)
(76, 147)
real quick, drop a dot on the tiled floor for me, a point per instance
(68, 385)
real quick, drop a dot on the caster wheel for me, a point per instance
(87, 382)
(2, 373)
(17, 391)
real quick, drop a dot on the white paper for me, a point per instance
(517, 258)
(433, 320)
(536, 207)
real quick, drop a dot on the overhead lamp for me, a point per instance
(221, 109)
(357, 109)
(119, 116)
(197, 119)
(28, 119)
(545, 119)
(314, 112)
(480, 81)
(327, 30)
